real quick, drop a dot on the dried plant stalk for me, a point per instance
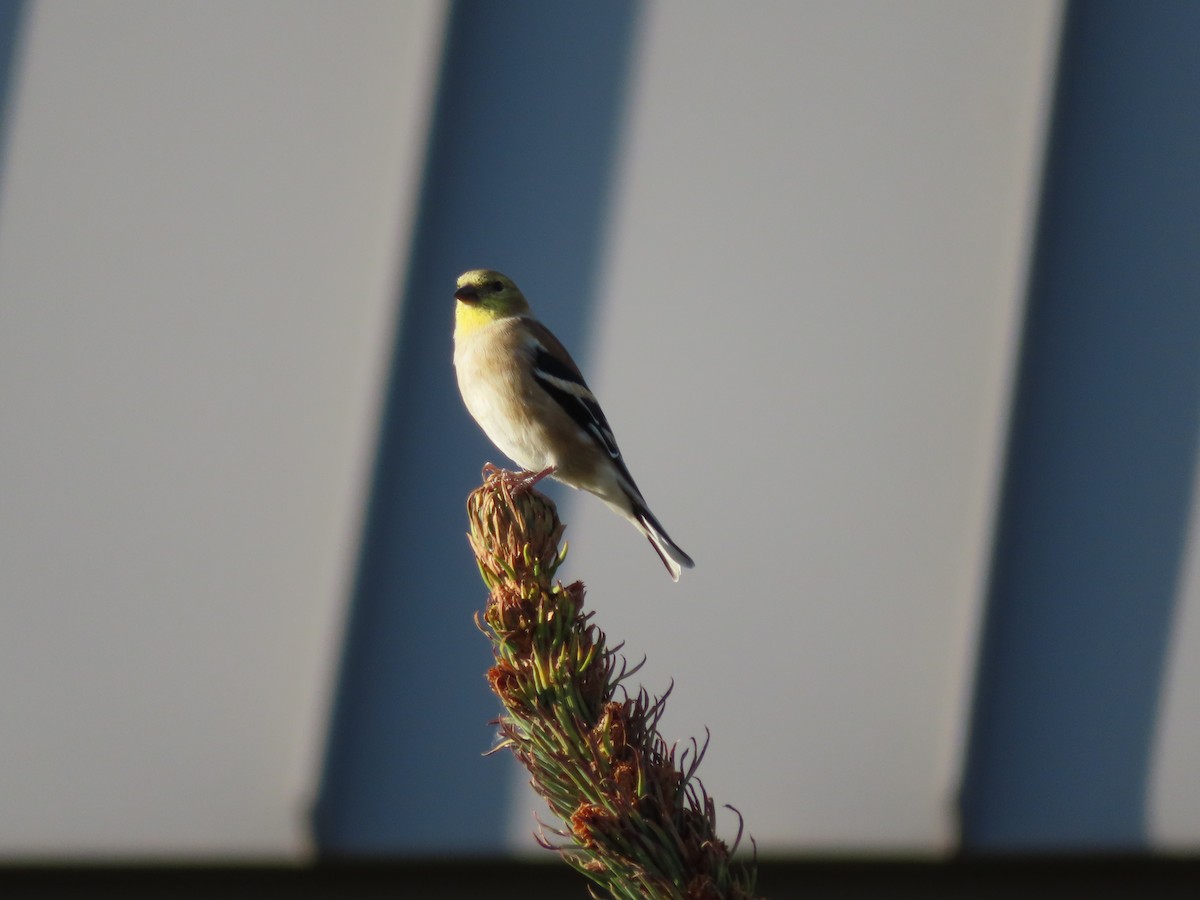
(636, 819)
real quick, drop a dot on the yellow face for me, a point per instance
(485, 295)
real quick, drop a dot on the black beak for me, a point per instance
(467, 294)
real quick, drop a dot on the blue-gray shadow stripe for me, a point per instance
(12, 21)
(520, 161)
(1103, 446)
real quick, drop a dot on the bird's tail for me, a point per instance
(668, 551)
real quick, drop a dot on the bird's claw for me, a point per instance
(532, 478)
(516, 482)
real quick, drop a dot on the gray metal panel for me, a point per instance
(517, 179)
(1103, 446)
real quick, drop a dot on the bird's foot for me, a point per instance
(532, 478)
(517, 482)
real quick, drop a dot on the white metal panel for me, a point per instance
(204, 206)
(818, 257)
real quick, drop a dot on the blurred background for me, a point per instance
(894, 308)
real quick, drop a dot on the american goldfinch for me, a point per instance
(528, 396)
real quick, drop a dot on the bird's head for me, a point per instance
(488, 295)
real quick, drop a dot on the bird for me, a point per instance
(527, 394)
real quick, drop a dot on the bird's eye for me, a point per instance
(496, 286)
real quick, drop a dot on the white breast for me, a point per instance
(498, 396)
